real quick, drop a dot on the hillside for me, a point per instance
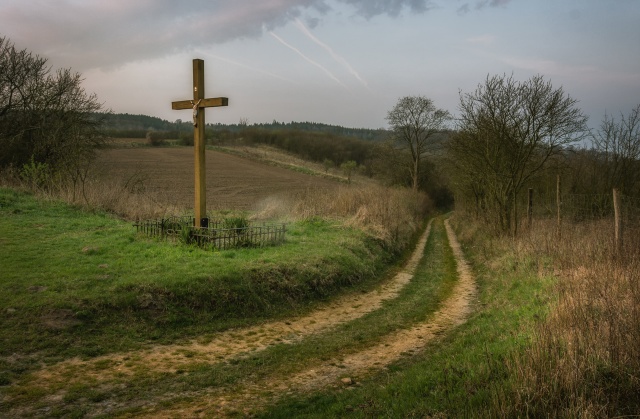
(232, 182)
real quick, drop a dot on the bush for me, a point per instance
(45, 116)
(239, 222)
(186, 139)
(328, 164)
(36, 175)
(155, 138)
(391, 215)
(347, 168)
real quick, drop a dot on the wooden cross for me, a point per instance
(197, 105)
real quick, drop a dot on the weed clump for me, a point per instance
(585, 357)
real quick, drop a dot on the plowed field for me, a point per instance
(232, 182)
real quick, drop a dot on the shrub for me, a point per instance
(328, 164)
(239, 222)
(586, 354)
(347, 168)
(155, 138)
(391, 215)
(186, 139)
(36, 175)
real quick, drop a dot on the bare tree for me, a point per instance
(347, 168)
(508, 131)
(618, 146)
(45, 116)
(416, 122)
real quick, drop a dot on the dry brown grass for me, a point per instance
(585, 360)
(124, 196)
(389, 214)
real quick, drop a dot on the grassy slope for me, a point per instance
(458, 375)
(78, 284)
(417, 301)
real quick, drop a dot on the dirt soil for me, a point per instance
(232, 182)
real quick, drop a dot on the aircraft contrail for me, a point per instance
(217, 57)
(296, 50)
(330, 50)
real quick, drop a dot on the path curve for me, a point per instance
(238, 342)
(453, 312)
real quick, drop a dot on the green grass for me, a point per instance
(419, 299)
(458, 375)
(78, 284)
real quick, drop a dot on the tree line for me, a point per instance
(510, 136)
(310, 145)
(124, 125)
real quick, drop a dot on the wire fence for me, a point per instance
(219, 234)
(586, 207)
(620, 212)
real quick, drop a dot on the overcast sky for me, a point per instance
(344, 62)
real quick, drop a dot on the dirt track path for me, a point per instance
(453, 312)
(252, 394)
(234, 343)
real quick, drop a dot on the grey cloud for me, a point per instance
(479, 5)
(464, 9)
(371, 8)
(492, 3)
(107, 34)
(312, 22)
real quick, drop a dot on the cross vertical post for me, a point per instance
(197, 105)
(199, 141)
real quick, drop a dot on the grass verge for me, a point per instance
(78, 284)
(130, 395)
(460, 374)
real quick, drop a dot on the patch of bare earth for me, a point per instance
(233, 182)
(230, 344)
(337, 372)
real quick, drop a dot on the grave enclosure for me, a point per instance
(219, 234)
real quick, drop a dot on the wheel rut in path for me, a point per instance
(233, 343)
(453, 312)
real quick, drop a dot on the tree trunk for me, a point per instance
(414, 175)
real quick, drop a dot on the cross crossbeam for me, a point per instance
(206, 103)
(198, 104)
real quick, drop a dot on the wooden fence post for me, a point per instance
(617, 220)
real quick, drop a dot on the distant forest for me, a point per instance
(328, 144)
(124, 125)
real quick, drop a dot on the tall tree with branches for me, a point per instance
(618, 145)
(508, 130)
(45, 117)
(415, 124)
